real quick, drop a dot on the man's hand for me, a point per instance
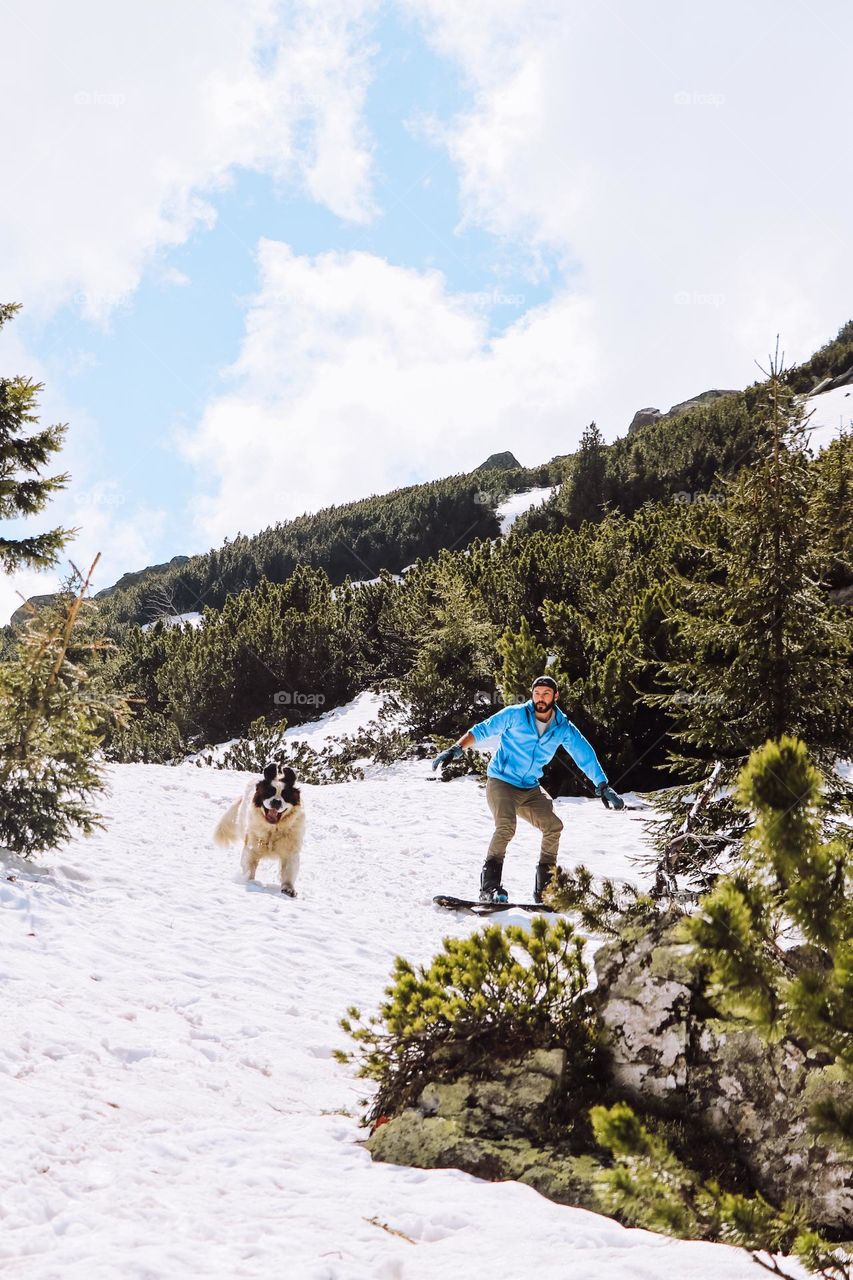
(443, 757)
(609, 797)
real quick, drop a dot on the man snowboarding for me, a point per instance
(530, 734)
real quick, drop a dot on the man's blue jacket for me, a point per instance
(523, 753)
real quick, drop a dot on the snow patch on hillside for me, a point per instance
(509, 511)
(173, 620)
(348, 719)
(832, 412)
(318, 733)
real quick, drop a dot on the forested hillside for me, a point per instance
(681, 456)
(595, 584)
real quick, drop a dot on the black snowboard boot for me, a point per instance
(491, 889)
(544, 876)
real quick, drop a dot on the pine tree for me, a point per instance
(54, 713)
(790, 880)
(761, 649)
(524, 658)
(23, 455)
(493, 995)
(452, 643)
(585, 489)
(650, 1186)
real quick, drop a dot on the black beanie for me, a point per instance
(546, 680)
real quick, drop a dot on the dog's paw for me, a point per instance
(289, 890)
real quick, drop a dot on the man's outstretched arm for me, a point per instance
(454, 752)
(483, 729)
(583, 754)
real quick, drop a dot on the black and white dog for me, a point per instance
(270, 821)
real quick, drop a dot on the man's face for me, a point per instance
(543, 699)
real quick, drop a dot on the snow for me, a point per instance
(171, 1107)
(832, 410)
(173, 620)
(347, 719)
(337, 722)
(509, 511)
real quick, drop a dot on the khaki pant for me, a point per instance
(534, 804)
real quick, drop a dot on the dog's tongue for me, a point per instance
(272, 815)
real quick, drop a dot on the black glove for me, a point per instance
(608, 796)
(452, 753)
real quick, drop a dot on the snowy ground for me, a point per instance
(831, 412)
(170, 1104)
(338, 722)
(509, 511)
(317, 734)
(174, 620)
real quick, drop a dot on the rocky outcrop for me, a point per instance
(665, 1053)
(642, 418)
(745, 1104)
(126, 580)
(505, 461)
(704, 397)
(495, 1128)
(136, 576)
(844, 379)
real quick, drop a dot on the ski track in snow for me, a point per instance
(170, 1104)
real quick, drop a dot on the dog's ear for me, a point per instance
(270, 772)
(287, 776)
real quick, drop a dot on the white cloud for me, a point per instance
(682, 163)
(118, 123)
(356, 376)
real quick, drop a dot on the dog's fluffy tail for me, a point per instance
(226, 827)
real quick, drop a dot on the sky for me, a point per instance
(273, 256)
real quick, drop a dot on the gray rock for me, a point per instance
(704, 397)
(642, 418)
(664, 1054)
(494, 1128)
(505, 461)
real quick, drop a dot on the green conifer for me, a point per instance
(54, 713)
(761, 651)
(524, 658)
(24, 491)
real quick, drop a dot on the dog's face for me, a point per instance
(275, 794)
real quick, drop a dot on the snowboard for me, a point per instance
(477, 908)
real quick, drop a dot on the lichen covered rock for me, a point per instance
(495, 1128)
(664, 1052)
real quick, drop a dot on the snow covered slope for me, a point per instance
(509, 511)
(170, 1104)
(174, 620)
(830, 413)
